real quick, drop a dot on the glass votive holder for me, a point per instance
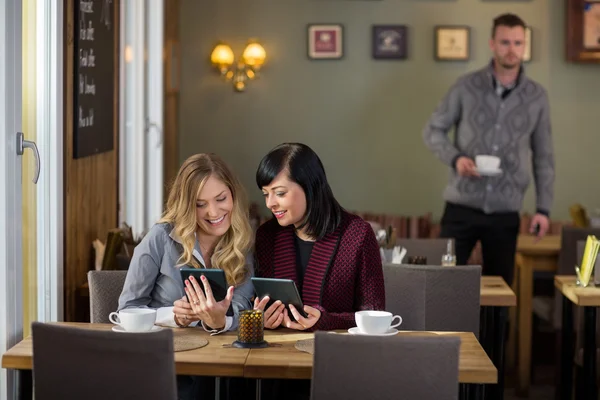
(251, 331)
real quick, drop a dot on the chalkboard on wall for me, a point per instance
(94, 81)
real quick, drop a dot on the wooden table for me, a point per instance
(495, 292)
(589, 299)
(285, 362)
(279, 361)
(532, 255)
(211, 360)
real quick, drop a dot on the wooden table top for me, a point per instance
(279, 361)
(285, 362)
(549, 245)
(588, 296)
(211, 360)
(496, 292)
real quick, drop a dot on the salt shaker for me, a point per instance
(449, 259)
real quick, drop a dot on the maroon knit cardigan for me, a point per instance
(344, 272)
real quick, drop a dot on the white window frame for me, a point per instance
(141, 122)
(49, 190)
(50, 135)
(11, 259)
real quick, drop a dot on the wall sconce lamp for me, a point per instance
(245, 69)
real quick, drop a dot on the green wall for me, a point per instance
(364, 117)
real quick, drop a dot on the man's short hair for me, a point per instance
(509, 20)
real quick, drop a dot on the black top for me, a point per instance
(303, 251)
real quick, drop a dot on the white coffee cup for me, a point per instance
(489, 163)
(375, 322)
(134, 319)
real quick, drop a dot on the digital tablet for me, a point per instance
(284, 290)
(216, 279)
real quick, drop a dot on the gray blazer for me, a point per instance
(154, 281)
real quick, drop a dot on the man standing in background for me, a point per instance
(495, 111)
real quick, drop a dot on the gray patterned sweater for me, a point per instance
(515, 128)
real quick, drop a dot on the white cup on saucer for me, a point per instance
(487, 163)
(134, 319)
(375, 322)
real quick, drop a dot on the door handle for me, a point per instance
(23, 144)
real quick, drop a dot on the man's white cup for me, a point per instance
(134, 319)
(488, 163)
(375, 322)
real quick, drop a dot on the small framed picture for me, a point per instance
(583, 31)
(389, 42)
(452, 43)
(591, 25)
(528, 45)
(325, 41)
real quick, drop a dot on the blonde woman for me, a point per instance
(205, 225)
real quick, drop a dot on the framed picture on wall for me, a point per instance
(325, 41)
(528, 44)
(583, 31)
(452, 43)
(389, 42)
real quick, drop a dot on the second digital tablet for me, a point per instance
(284, 290)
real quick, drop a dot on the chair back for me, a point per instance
(75, 363)
(434, 298)
(105, 289)
(390, 368)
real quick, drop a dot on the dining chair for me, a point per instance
(105, 288)
(361, 367)
(434, 298)
(75, 363)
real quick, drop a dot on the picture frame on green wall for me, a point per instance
(452, 43)
(389, 42)
(528, 44)
(583, 31)
(325, 41)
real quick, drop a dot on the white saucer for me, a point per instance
(489, 172)
(356, 331)
(122, 330)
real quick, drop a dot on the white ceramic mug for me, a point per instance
(134, 319)
(487, 162)
(375, 322)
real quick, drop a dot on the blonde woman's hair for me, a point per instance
(232, 247)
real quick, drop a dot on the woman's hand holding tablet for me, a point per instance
(209, 299)
(302, 322)
(273, 315)
(282, 305)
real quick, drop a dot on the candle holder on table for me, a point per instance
(251, 333)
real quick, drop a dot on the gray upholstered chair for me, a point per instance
(75, 363)
(397, 367)
(105, 289)
(432, 249)
(434, 298)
